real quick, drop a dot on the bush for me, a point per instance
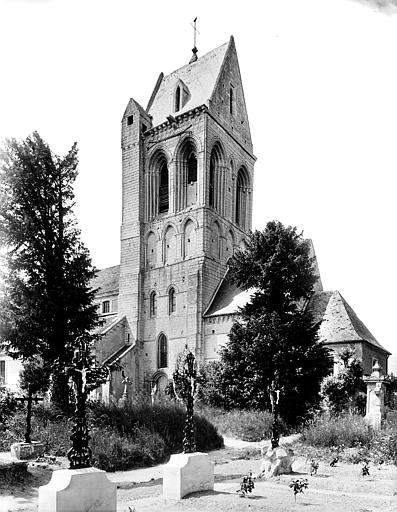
(348, 430)
(166, 420)
(8, 405)
(351, 431)
(112, 452)
(248, 425)
(384, 446)
(121, 438)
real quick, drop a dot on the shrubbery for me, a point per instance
(351, 431)
(8, 405)
(345, 391)
(167, 420)
(348, 430)
(121, 438)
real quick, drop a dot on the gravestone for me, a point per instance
(186, 473)
(75, 490)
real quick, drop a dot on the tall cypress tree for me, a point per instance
(46, 303)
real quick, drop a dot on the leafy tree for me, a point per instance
(391, 391)
(34, 379)
(8, 405)
(274, 343)
(46, 305)
(346, 390)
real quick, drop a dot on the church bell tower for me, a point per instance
(186, 206)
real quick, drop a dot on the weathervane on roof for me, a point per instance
(194, 50)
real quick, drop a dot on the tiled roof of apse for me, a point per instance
(339, 323)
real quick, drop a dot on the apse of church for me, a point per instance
(187, 203)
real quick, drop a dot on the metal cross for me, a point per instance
(195, 30)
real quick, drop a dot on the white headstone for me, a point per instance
(186, 473)
(75, 490)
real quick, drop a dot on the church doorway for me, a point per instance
(159, 383)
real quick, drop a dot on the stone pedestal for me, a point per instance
(24, 451)
(186, 473)
(276, 461)
(375, 408)
(75, 490)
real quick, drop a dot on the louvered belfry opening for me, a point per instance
(163, 189)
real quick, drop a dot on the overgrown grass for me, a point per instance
(121, 438)
(351, 437)
(347, 430)
(248, 425)
(166, 420)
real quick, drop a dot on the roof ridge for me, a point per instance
(108, 268)
(198, 60)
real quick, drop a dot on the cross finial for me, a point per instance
(194, 50)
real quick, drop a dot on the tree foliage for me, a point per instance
(346, 390)
(274, 342)
(8, 405)
(46, 304)
(35, 376)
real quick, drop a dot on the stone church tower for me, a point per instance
(187, 176)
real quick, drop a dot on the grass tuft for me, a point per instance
(248, 425)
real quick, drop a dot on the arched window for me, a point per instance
(171, 301)
(153, 304)
(186, 175)
(163, 189)
(241, 198)
(211, 199)
(216, 179)
(157, 188)
(177, 99)
(192, 169)
(162, 351)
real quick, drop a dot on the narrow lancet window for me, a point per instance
(163, 189)
(177, 99)
(162, 352)
(171, 301)
(153, 304)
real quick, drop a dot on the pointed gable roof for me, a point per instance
(227, 299)
(200, 77)
(107, 280)
(339, 323)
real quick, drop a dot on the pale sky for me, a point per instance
(320, 82)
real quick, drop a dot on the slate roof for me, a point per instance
(227, 299)
(108, 322)
(107, 280)
(200, 77)
(117, 355)
(339, 322)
